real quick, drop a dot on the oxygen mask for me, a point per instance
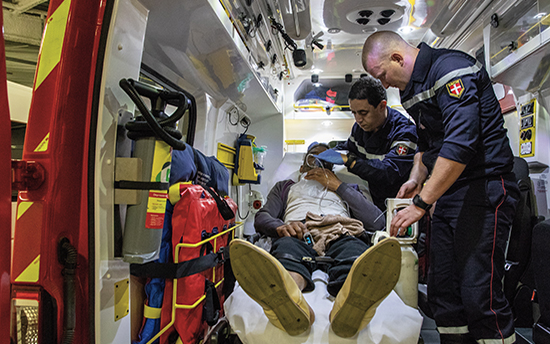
(314, 162)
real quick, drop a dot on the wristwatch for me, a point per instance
(351, 158)
(417, 200)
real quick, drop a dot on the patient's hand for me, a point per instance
(293, 229)
(326, 177)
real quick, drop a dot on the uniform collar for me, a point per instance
(387, 120)
(423, 63)
(421, 67)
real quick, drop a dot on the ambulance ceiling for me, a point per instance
(341, 26)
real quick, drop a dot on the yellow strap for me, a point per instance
(151, 312)
(174, 192)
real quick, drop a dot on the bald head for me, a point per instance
(388, 57)
(382, 43)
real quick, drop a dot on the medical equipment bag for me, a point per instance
(201, 226)
(198, 229)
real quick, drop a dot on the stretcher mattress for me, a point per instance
(393, 323)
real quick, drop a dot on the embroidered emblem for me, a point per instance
(455, 88)
(401, 150)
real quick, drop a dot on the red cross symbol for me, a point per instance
(455, 88)
(401, 150)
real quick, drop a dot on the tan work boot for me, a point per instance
(268, 283)
(371, 278)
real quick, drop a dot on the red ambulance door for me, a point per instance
(5, 195)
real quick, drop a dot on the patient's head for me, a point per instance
(310, 162)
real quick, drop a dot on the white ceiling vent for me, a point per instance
(360, 17)
(376, 16)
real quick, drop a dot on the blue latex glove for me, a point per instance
(331, 156)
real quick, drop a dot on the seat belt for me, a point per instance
(179, 270)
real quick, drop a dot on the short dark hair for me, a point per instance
(368, 88)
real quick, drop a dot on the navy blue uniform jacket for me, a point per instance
(385, 157)
(451, 98)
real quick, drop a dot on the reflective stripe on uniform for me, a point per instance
(363, 151)
(464, 330)
(509, 340)
(453, 330)
(425, 95)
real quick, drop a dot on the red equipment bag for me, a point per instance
(198, 228)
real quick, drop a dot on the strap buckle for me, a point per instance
(223, 255)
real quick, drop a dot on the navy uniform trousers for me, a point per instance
(470, 230)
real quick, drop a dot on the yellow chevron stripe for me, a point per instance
(22, 208)
(52, 43)
(43, 146)
(31, 272)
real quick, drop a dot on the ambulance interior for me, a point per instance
(267, 78)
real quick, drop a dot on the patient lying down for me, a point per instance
(317, 216)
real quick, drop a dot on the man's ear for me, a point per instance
(302, 169)
(382, 105)
(397, 57)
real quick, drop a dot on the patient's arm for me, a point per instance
(325, 177)
(361, 208)
(270, 216)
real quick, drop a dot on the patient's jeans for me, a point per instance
(345, 250)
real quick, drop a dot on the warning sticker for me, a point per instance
(154, 221)
(156, 206)
(156, 203)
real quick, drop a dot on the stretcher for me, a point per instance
(394, 321)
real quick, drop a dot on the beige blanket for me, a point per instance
(328, 228)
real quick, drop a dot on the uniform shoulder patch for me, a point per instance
(455, 88)
(401, 149)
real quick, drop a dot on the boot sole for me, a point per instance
(261, 279)
(373, 277)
